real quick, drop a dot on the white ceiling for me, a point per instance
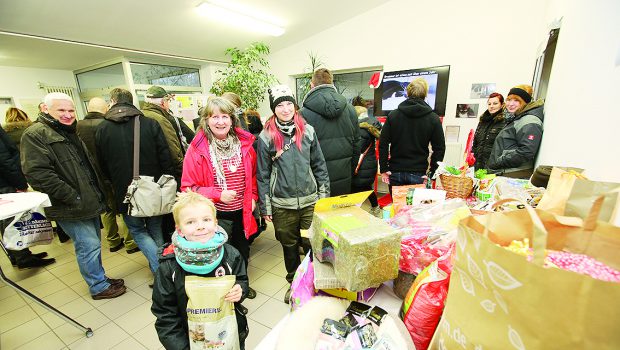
(154, 26)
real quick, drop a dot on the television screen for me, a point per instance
(393, 88)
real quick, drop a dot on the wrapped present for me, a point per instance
(363, 250)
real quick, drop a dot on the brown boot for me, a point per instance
(113, 291)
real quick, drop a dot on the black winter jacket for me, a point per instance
(370, 130)
(170, 299)
(335, 123)
(54, 165)
(114, 143)
(11, 176)
(409, 129)
(488, 127)
(516, 146)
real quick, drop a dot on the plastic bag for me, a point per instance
(28, 229)
(211, 320)
(423, 306)
(302, 287)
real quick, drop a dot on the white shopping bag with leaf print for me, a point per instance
(499, 300)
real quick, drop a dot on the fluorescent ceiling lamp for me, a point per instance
(239, 16)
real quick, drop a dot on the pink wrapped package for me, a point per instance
(302, 287)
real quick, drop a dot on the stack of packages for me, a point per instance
(354, 252)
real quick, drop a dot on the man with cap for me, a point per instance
(86, 128)
(157, 106)
(335, 123)
(516, 146)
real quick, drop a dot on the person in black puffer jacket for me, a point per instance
(335, 123)
(366, 169)
(492, 121)
(409, 130)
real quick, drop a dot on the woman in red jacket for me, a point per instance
(220, 164)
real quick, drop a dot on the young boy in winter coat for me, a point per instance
(198, 248)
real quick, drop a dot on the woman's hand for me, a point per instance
(385, 177)
(267, 218)
(234, 295)
(228, 196)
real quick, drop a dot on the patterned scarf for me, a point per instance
(197, 257)
(287, 128)
(220, 151)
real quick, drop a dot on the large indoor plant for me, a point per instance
(247, 74)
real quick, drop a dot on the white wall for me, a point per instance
(581, 114)
(21, 84)
(482, 41)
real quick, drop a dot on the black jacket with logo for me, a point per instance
(170, 299)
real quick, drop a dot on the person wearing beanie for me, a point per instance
(198, 248)
(492, 121)
(516, 146)
(292, 175)
(335, 123)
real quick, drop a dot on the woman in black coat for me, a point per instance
(366, 170)
(492, 121)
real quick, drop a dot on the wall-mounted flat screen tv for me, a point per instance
(393, 89)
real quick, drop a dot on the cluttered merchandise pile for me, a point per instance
(478, 262)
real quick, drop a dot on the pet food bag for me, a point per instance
(29, 227)
(302, 287)
(211, 320)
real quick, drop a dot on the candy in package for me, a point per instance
(350, 321)
(333, 335)
(363, 337)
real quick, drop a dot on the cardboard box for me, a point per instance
(363, 249)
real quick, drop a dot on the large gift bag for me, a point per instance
(571, 194)
(500, 300)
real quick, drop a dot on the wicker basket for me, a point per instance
(457, 186)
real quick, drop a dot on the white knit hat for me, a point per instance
(280, 93)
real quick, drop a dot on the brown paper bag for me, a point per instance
(499, 300)
(571, 194)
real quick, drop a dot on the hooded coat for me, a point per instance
(409, 130)
(370, 131)
(114, 144)
(516, 146)
(335, 123)
(198, 174)
(488, 128)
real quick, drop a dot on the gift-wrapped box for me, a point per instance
(363, 249)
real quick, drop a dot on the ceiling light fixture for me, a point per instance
(240, 16)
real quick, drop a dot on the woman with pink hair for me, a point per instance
(292, 175)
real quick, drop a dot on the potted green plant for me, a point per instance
(247, 74)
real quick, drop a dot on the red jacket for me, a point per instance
(198, 174)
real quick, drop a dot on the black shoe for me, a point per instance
(40, 255)
(242, 309)
(113, 291)
(116, 281)
(117, 247)
(133, 250)
(287, 296)
(62, 236)
(31, 261)
(251, 293)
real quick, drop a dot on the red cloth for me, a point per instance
(198, 174)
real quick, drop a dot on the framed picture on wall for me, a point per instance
(452, 133)
(466, 110)
(482, 90)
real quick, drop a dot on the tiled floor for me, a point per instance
(125, 322)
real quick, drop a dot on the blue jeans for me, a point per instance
(86, 237)
(401, 179)
(147, 234)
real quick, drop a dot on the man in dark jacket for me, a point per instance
(12, 180)
(335, 123)
(406, 135)
(114, 143)
(55, 161)
(86, 128)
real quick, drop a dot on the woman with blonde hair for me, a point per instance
(220, 164)
(516, 146)
(16, 122)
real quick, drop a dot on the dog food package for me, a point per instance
(211, 320)
(363, 249)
